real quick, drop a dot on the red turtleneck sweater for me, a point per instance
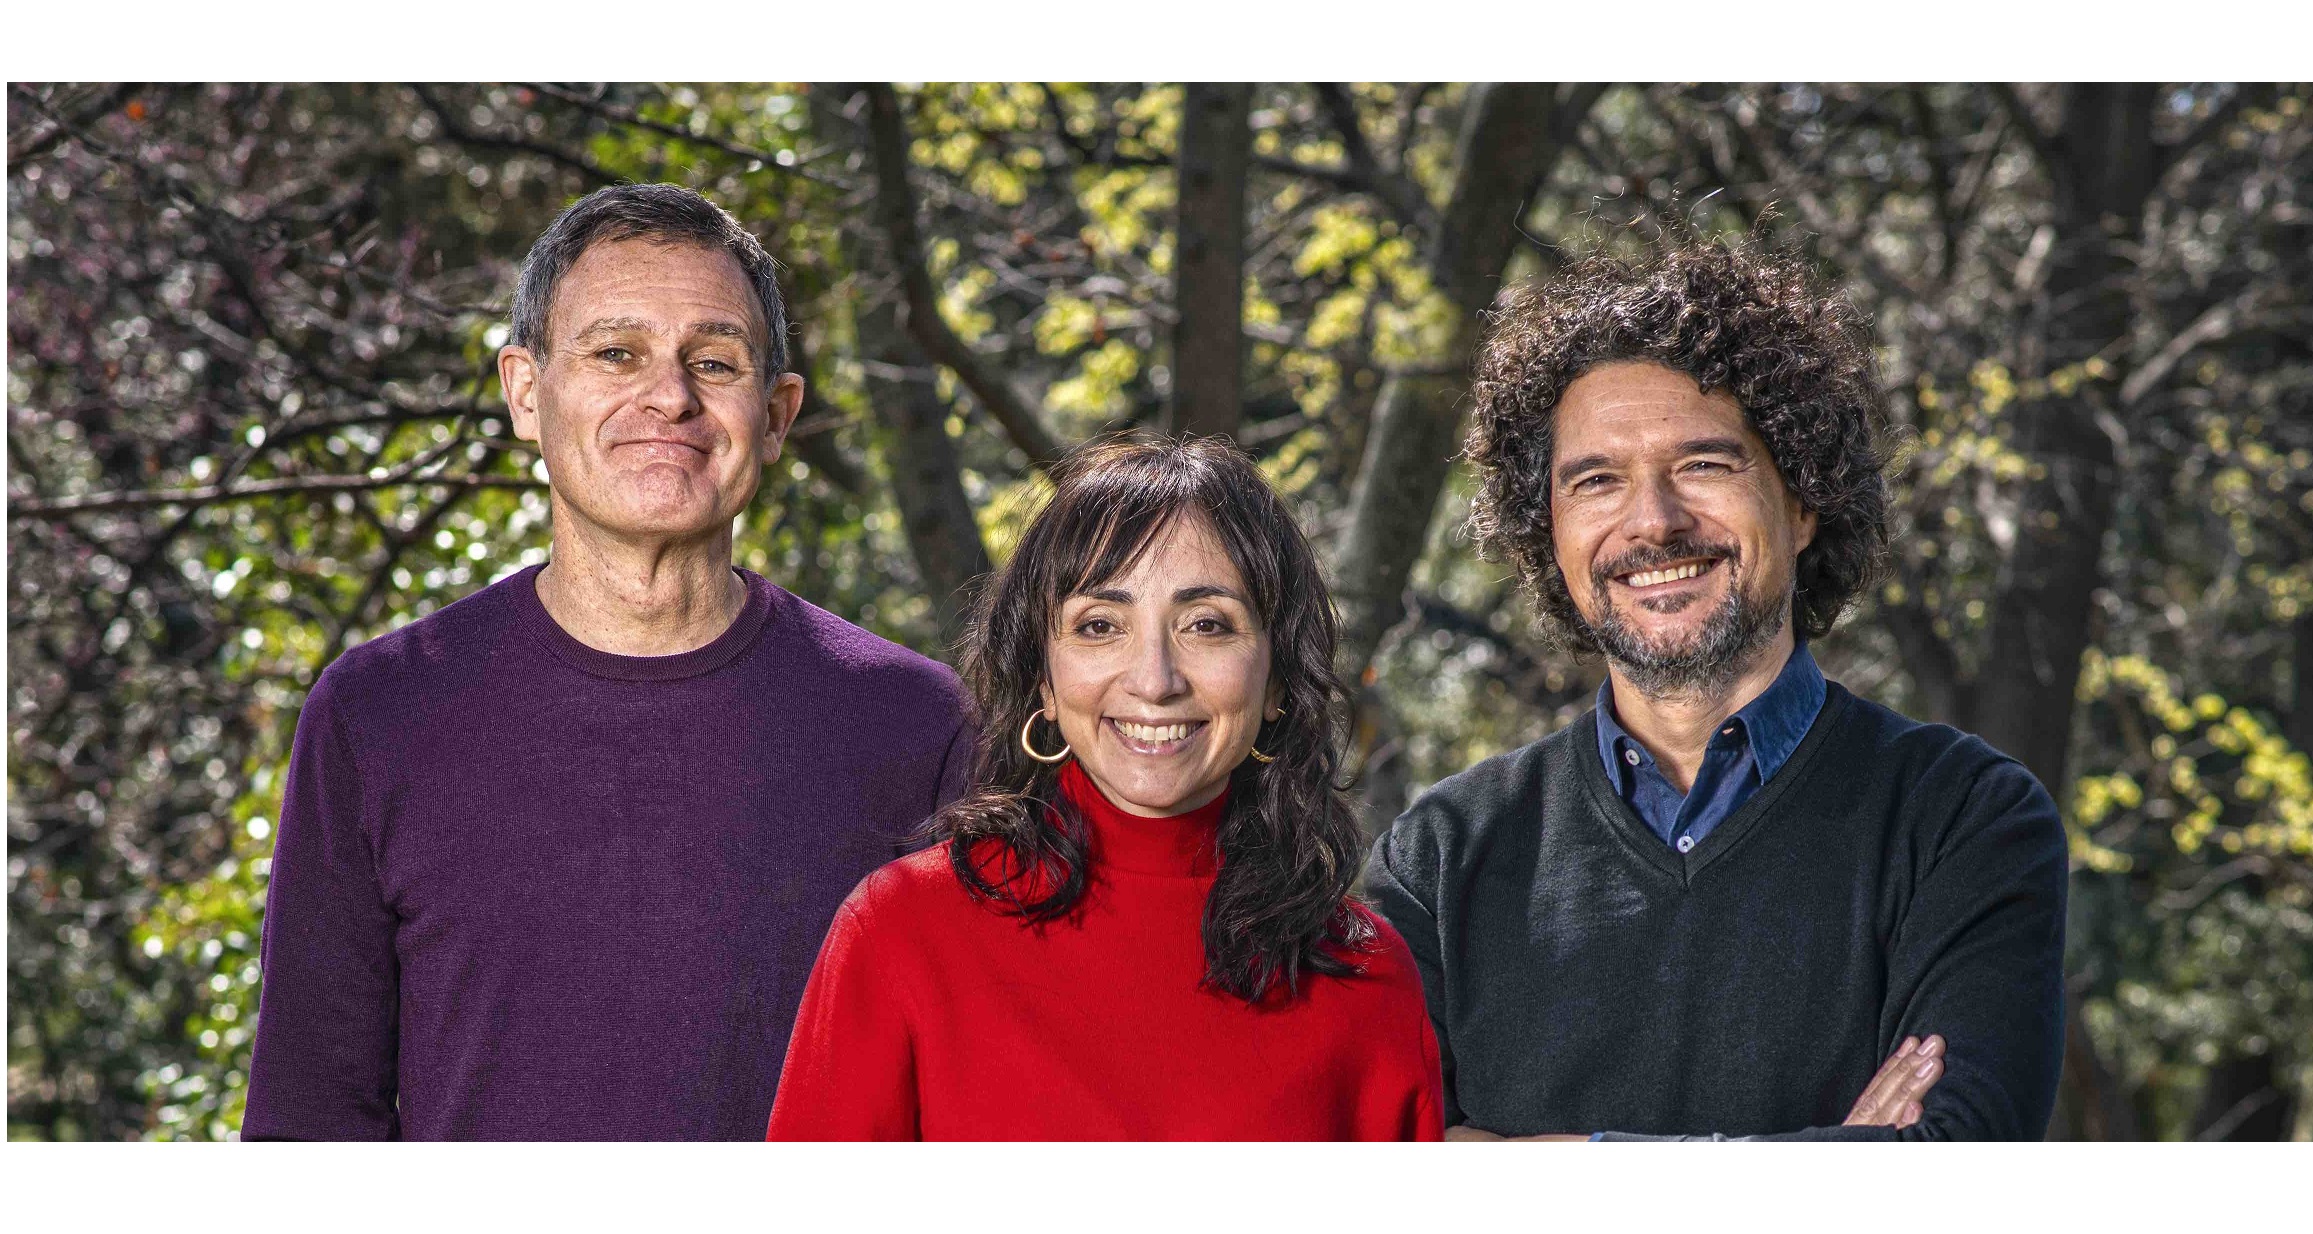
(931, 1015)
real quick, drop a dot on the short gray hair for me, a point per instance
(663, 213)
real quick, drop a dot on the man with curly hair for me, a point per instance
(1733, 900)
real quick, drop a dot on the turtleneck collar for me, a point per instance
(1181, 845)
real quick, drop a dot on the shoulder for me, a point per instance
(1946, 776)
(809, 637)
(900, 896)
(440, 650)
(1457, 813)
(1385, 958)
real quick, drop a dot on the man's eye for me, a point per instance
(1706, 464)
(1590, 483)
(717, 367)
(614, 355)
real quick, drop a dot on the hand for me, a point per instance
(1892, 1099)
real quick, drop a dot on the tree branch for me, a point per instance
(458, 131)
(895, 207)
(2043, 145)
(635, 119)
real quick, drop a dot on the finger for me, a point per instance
(1913, 1085)
(1873, 1105)
(1909, 1117)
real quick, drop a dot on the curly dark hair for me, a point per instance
(1280, 905)
(1737, 318)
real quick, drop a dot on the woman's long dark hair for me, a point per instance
(1289, 841)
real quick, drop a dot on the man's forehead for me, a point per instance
(1638, 402)
(644, 284)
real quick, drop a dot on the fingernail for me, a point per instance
(1926, 1069)
(1932, 1045)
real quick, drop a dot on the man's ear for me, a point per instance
(518, 378)
(781, 407)
(1808, 522)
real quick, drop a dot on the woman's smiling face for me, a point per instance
(1159, 677)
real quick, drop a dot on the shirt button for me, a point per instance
(1686, 844)
(1631, 757)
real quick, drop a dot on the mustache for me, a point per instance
(1648, 556)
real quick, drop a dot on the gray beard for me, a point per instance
(1706, 664)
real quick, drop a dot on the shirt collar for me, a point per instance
(1774, 723)
(1778, 720)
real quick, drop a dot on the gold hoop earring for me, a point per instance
(1031, 750)
(1266, 759)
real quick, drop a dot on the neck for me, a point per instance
(627, 598)
(1676, 728)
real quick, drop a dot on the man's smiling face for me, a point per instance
(651, 405)
(1678, 538)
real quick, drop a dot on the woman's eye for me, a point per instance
(1209, 625)
(1098, 627)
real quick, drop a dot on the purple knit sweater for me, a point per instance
(525, 889)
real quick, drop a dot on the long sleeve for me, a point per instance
(1979, 959)
(850, 1070)
(324, 1065)
(1395, 897)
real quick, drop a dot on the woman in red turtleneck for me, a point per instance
(1138, 924)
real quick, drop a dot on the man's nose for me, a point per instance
(670, 390)
(1657, 513)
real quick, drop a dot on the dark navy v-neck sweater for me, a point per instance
(526, 889)
(1892, 879)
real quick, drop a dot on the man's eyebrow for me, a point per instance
(614, 325)
(724, 329)
(1727, 447)
(1576, 466)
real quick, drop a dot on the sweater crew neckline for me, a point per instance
(1175, 846)
(598, 663)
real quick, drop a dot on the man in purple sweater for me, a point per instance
(555, 861)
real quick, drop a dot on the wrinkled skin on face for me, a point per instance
(1159, 678)
(651, 405)
(1677, 535)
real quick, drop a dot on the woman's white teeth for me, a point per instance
(1155, 734)
(1672, 575)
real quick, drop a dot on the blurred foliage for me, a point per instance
(252, 421)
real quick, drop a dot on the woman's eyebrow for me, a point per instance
(1203, 591)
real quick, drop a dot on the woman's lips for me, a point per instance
(1154, 739)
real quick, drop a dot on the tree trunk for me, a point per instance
(942, 533)
(1417, 418)
(2106, 166)
(1216, 148)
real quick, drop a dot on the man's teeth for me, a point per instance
(1154, 734)
(1672, 575)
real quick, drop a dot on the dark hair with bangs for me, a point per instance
(1289, 841)
(1732, 315)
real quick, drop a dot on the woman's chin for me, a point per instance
(1154, 797)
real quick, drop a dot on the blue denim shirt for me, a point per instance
(1745, 753)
